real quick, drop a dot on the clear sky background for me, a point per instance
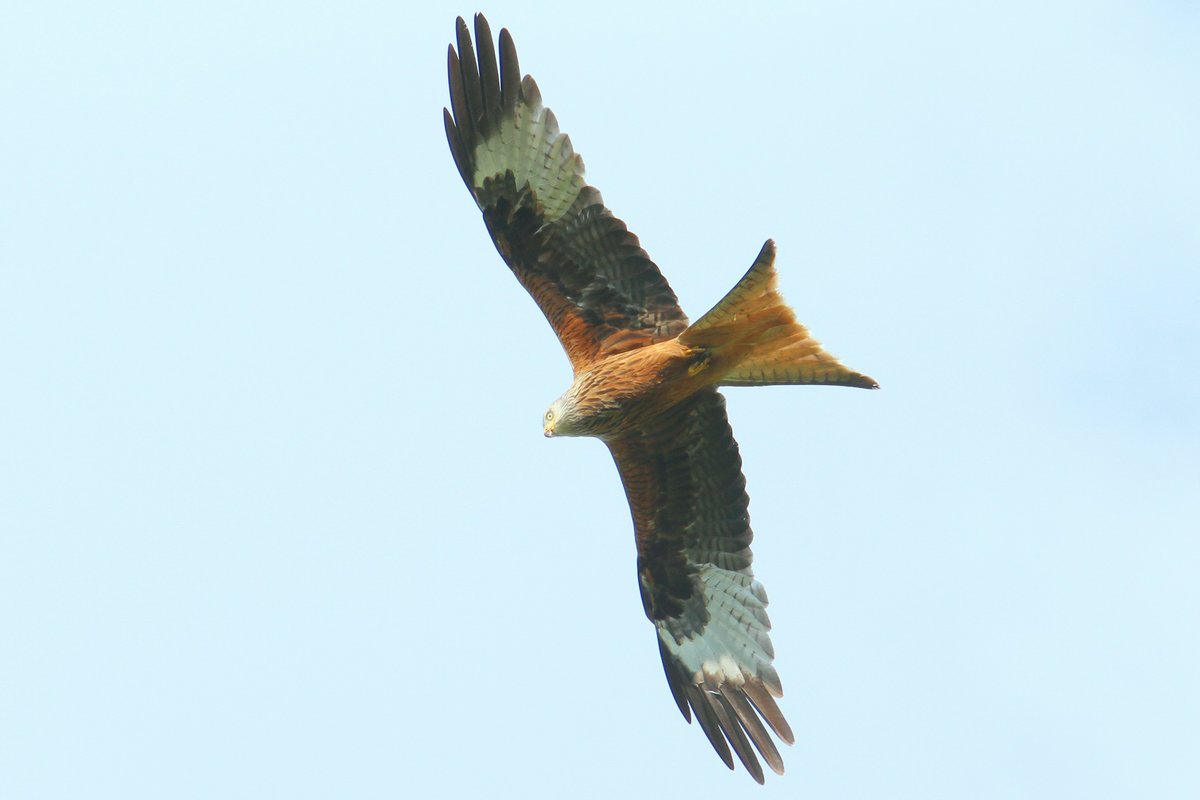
(277, 516)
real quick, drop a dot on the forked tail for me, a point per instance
(756, 340)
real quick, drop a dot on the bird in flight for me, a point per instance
(646, 384)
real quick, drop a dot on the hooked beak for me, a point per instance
(548, 431)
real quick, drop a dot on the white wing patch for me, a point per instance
(530, 146)
(735, 646)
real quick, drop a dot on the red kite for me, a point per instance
(646, 385)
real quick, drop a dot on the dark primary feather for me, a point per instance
(687, 494)
(589, 275)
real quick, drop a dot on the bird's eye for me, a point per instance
(549, 416)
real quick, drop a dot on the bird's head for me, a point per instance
(562, 419)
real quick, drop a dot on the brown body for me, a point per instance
(623, 394)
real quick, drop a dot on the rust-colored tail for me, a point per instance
(756, 340)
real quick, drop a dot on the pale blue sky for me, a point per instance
(265, 535)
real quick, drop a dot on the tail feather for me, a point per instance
(757, 340)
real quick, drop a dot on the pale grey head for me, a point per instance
(563, 417)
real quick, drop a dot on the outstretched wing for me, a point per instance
(600, 291)
(688, 497)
